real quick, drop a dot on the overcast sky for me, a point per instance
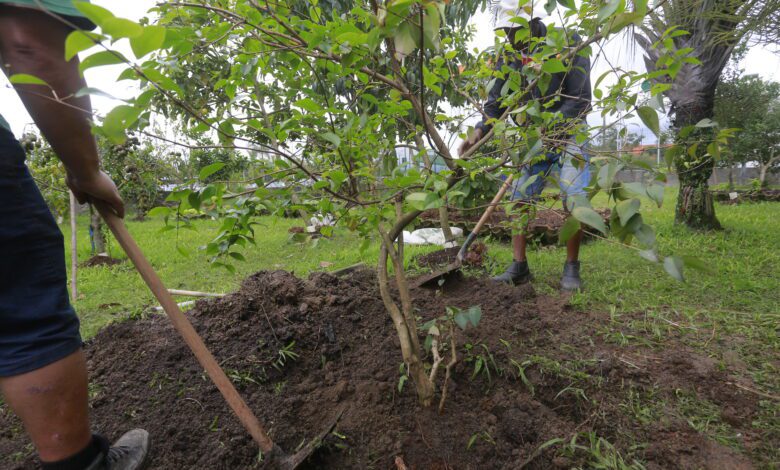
(759, 61)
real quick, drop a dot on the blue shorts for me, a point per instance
(38, 326)
(571, 167)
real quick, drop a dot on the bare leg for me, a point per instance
(52, 404)
(573, 247)
(518, 247)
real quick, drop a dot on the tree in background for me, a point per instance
(708, 30)
(137, 170)
(234, 163)
(751, 105)
(48, 172)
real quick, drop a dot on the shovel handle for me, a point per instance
(485, 217)
(185, 329)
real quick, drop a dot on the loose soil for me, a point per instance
(99, 260)
(475, 257)
(569, 381)
(543, 228)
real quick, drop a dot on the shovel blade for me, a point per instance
(432, 280)
(282, 461)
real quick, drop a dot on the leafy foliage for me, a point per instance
(48, 172)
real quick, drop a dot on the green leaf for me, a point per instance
(649, 116)
(706, 122)
(96, 14)
(609, 9)
(26, 79)
(549, 6)
(568, 4)
(118, 120)
(607, 174)
(431, 27)
(237, 256)
(591, 218)
(424, 200)
(100, 59)
(474, 314)
(569, 229)
(194, 200)
(627, 209)
(94, 92)
(159, 211)
(162, 81)
(309, 105)
(152, 39)
(78, 41)
(121, 28)
(656, 193)
(646, 235)
(553, 66)
(462, 320)
(674, 266)
(209, 170)
(405, 40)
(332, 138)
(649, 255)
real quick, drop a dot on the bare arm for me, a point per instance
(33, 42)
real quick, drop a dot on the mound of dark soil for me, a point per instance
(534, 370)
(101, 260)
(436, 259)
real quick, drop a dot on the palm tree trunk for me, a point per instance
(695, 206)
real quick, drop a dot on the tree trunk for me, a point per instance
(765, 169)
(444, 219)
(695, 207)
(99, 239)
(731, 177)
(403, 321)
(444, 215)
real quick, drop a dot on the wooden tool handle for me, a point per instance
(493, 204)
(185, 329)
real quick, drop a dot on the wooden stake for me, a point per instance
(74, 258)
(192, 293)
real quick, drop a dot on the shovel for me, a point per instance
(271, 452)
(432, 279)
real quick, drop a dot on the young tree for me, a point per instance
(327, 95)
(708, 30)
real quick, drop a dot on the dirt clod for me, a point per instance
(101, 260)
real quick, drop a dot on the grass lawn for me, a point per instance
(730, 314)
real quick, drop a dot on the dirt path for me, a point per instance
(551, 376)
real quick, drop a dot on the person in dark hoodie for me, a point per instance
(569, 95)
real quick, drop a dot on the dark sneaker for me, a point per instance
(130, 452)
(571, 276)
(517, 273)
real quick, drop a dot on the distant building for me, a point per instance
(410, 158)
(638, 150)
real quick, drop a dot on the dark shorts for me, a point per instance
(38, 326)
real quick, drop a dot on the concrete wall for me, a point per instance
(742, 176)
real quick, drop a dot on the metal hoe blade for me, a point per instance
(281, 461)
